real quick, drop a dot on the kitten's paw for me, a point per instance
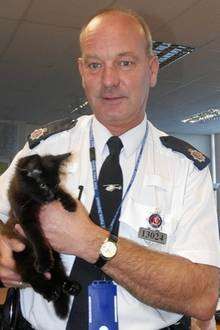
(67, 201)
(69, 205)
(71, 287)
(52, 296)
(55, 294)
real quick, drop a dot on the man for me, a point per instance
(171, 195)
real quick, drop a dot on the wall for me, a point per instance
(13, 135)
(217, 146)
(203, 143)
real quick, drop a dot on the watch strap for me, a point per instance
(102, 260)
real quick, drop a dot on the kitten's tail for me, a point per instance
(61, 305)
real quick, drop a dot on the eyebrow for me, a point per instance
(96, 57)
(89, 57)
(127, 54)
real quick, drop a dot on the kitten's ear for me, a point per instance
(28, 163)
(62, 157)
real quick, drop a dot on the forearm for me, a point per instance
(165, 281)
(160, 280)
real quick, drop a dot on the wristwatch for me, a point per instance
(107, 251)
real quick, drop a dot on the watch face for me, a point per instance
(108, 250)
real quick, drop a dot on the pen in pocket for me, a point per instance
(80, 192)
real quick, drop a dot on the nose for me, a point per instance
(110, 77)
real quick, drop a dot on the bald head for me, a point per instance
(128, 18)
(117, 69)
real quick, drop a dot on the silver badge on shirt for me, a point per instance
(151, 235)
(112, 186)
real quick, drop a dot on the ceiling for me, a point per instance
(38, 51)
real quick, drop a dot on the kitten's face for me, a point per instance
(39, 176)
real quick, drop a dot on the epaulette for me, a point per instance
(198, 158)
(49, 129)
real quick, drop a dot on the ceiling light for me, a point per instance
(203, 116)
(168, 53)
(79, 107)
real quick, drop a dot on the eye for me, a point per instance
(94, 66)
(43, 186)
(126, 63)
(33, 173)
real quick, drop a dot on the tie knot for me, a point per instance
(114, 145)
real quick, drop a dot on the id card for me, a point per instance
(102, 301)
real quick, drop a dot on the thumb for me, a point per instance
(16, 245)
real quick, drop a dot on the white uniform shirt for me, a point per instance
(167, 183)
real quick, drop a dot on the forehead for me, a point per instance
(115, 33)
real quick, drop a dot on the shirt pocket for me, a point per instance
(153, 197)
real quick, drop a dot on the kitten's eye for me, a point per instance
(43, 186)
(34, 173)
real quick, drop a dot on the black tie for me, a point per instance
(110, 183)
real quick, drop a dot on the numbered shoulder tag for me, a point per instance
(102, 301)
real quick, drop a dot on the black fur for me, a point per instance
(36, 182)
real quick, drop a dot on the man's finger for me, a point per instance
(17, 245)
(19, 230)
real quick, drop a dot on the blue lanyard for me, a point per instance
(95, 178)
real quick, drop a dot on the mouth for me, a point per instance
(113, 99)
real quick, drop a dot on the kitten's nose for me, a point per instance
(50, 196)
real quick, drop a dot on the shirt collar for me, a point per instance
(101, 136)
(131, 139)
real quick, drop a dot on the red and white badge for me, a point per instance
(155, 220)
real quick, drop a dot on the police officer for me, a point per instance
(166, 259)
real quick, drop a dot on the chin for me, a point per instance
(113, 118)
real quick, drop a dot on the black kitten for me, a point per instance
(37, 182)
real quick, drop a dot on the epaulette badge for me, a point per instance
(50, 129)
(198, 158)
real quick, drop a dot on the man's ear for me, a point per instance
(81, 70)
(154, 68)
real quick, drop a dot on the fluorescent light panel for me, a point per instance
(169, 53)
(203, 116)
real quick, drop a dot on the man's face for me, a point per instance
(116, 72)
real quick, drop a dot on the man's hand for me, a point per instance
(71, 232)
(8, 274)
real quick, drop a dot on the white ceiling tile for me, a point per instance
(40, 44)
(164, 87)
(185, 95)
(20, 77)
(191, 67)
(68, 13)
(158, 12)
(213, 46)
(7, 28)
(13, 9)
(195, 27)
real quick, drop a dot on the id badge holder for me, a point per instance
(102, 301)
